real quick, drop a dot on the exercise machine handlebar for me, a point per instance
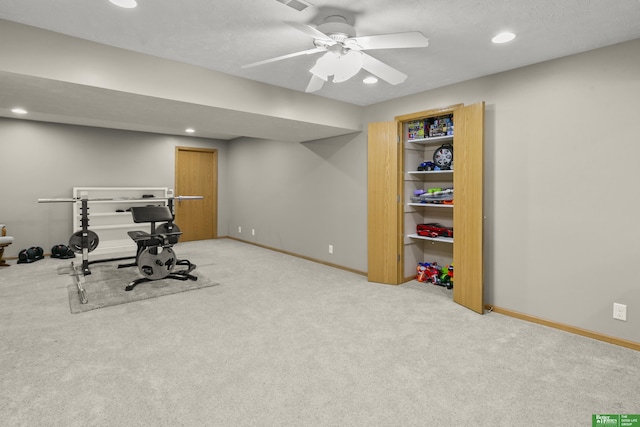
(79, 199)
(178, 198)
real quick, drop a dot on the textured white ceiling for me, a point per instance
(225, 35)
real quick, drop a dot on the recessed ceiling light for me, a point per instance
(127, 4)
(503, 37)
(370, 80)
(189, 130)
(18, 110)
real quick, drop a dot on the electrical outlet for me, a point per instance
(253, 231)
(619, 311)
(239, 229)
(330, 249)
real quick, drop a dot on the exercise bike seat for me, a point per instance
(144, 239)
(139, 235)
(151, 214)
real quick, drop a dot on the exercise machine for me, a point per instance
(85, 241)
(155, 257)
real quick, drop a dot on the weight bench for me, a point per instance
(155, 257)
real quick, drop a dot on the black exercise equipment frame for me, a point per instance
(85, 244)
(153, 240)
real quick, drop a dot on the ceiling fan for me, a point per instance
(344, 52)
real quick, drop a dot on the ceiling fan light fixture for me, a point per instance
(348, 65)
(325, 65)
(127, 4)
(504, 37)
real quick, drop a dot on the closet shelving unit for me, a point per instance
(394, 248)
(415, 152)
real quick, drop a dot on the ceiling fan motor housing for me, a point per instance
(337, 29)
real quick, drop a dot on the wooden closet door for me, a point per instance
(384, 206)
(468, 216)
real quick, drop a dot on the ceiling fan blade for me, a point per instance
(279, 58)
(382, 70)
(392, 41)
(313, 32)
(315, 83)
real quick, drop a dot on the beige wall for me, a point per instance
(111, 87)
(562, 146)
(561, 175)
(302, 197)
(44, 160)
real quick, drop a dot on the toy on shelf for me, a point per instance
(446, 278)
(439, 126)
(421, 275)
(415, 130)
(427, 166)
(433, 195)
(434, 230)
(428, 272)
(431, 272)
(443, 157)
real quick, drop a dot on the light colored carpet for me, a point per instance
(105, 286)
(287, 342)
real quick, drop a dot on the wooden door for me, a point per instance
(197, 175)
(468, 216)
(384, 205)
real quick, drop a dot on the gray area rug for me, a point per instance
(105, 287)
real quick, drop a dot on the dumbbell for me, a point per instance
(32, 254)
(36, 251)
(57, 250)
(62, 251)
(23, 256)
